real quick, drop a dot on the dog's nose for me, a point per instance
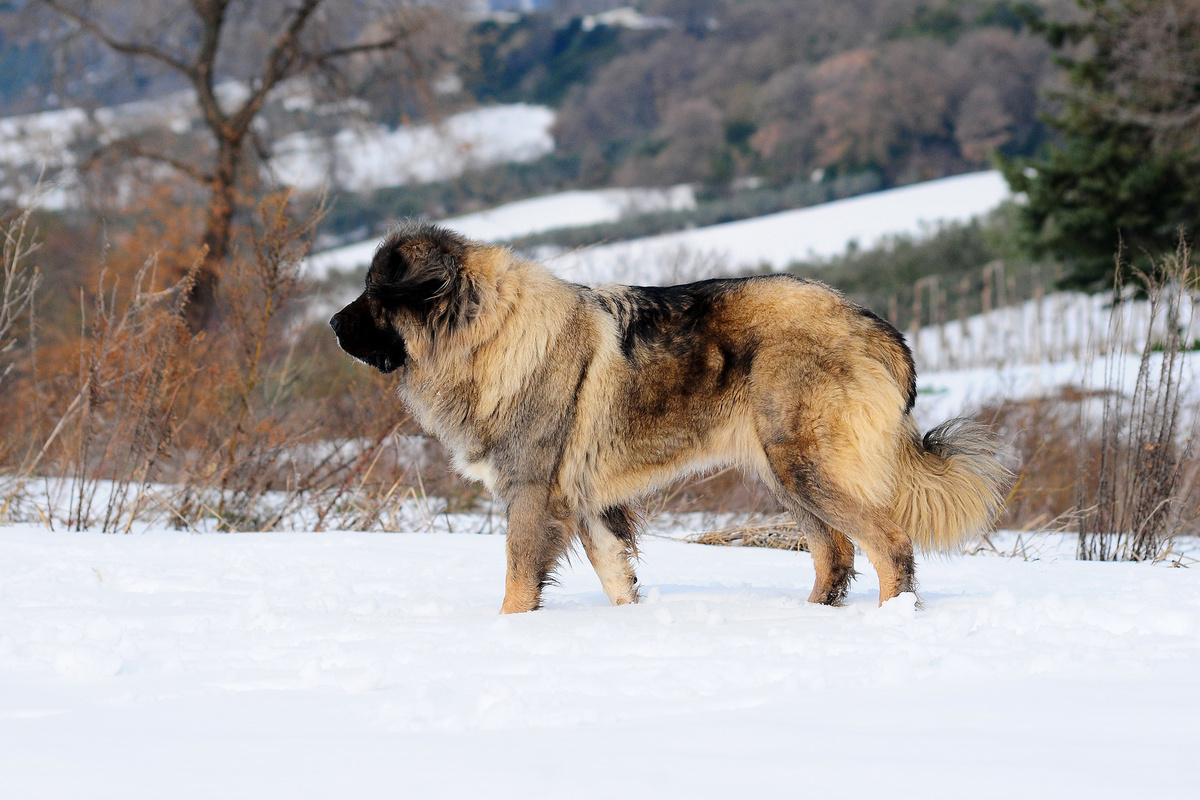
(336, 324)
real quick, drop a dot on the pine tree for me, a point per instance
(1116, 177)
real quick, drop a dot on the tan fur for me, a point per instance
(949, 495)
(572, 403)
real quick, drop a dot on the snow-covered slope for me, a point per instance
(356, 158)
(375, 665)
(773, 240)
(563, 209)
(361, 159)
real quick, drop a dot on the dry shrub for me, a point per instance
(1050, 447)
(1114, 465)
(729, 494)
(243, 426)
(19, 281)
(1146, 468)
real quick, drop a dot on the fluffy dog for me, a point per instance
(571, 403)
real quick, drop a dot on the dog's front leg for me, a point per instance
(538, 534)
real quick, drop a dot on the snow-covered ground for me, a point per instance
(523, 217)
(375, 665)
(952, 393)
(1062, 326)
(774, 240)
(361, 159)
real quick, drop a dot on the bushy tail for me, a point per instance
(953, 484)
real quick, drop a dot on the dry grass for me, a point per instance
(776, 533)
(1146, 472)
(239, 427)
(1050, 448)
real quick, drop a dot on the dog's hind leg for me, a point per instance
(539, 530)
(609, 541)
(832, 555)
(886, 544)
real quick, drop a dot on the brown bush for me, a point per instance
(134, 417)
(1051, 449)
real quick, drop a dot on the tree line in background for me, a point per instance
(912, 90)
(1089, 105)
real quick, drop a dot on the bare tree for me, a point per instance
(1156, 77)
(261, 46)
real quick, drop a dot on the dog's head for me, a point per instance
(417, 286)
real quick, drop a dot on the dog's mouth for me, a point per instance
(383, 362)
(359, 336)
(386, 361)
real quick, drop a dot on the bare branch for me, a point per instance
(278, 66)
(212, 14)
(355, 49)
(127, 48)
(132, 149)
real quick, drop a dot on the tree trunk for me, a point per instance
(218, 228)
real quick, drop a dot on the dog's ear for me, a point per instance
(409, 275)
(423, 270)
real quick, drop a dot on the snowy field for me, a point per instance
(374, 665)
(955, 393)
(374, 156)
(356, 158)
(523, 217)
(774, 240)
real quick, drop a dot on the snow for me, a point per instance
(375, 665)
(771, 241)
(36, 155)
(950, 393)
(375, 156)
(775, 240)
(1057, 327)
(352, 159)
(523, 217)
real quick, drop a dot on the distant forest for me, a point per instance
(781, 90)
(712, 91)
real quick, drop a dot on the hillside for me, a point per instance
(772, 241)
(707, 92)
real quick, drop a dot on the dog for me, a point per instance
(572, 403)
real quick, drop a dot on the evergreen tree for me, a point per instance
(1116, 177)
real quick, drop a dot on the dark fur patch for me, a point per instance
(361, 335)
(622, 521)
(664, 316)
(840, 580)
(677, 324)
(419, 267)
